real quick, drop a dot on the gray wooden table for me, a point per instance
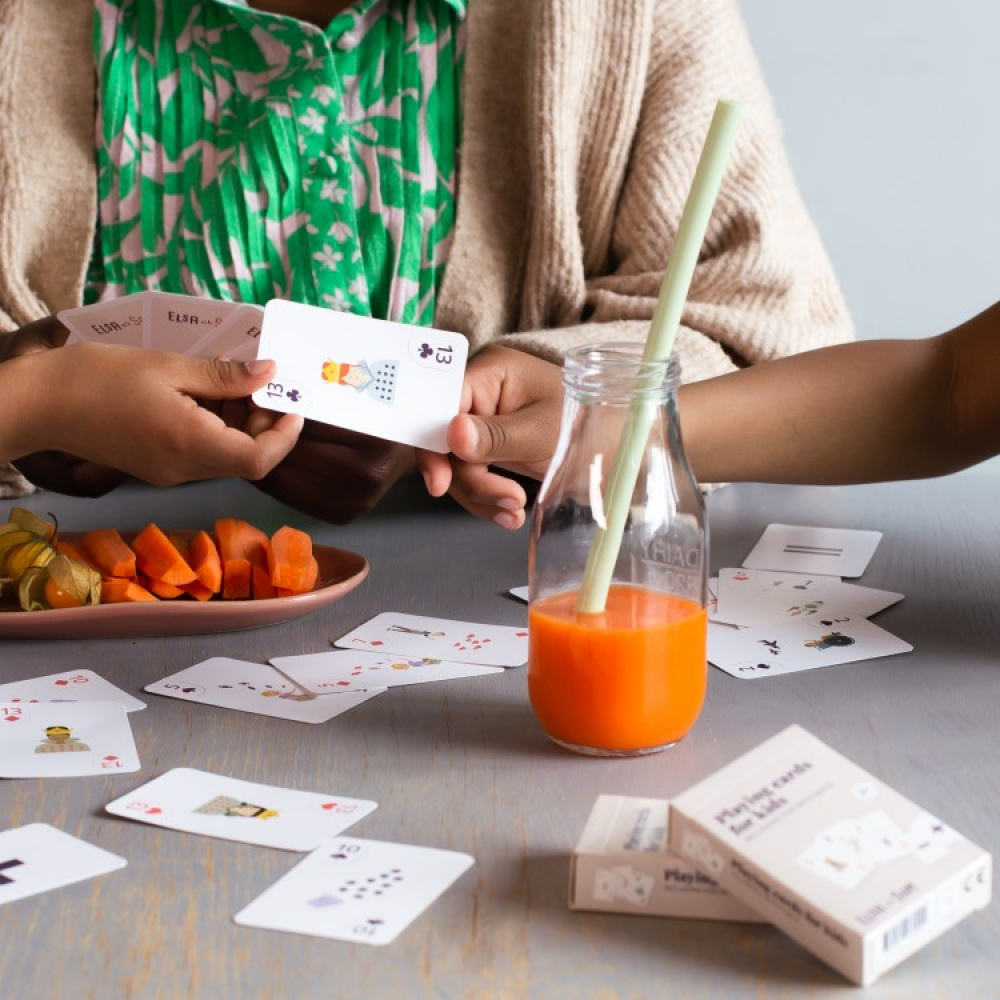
(463, 765)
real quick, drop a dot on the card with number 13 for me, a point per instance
(393, 381)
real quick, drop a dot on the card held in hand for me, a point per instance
(390, 380)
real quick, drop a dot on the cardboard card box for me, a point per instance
(846, 866)
(622, 865)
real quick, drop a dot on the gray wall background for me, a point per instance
(890, 112)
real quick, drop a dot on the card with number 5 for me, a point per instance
(393, 381)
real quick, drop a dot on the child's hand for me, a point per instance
(137, 411)
(511, 407)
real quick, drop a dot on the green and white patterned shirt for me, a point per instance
(246, 156)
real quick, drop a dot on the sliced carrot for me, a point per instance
(236, 575)
(203, 557)
(260, 580)
(167, 591)
(118, 590)
(238, 539)
(289, 558)
(312, 575)
(110, 552)
(159, 559)
(198, 590)
(75, 550)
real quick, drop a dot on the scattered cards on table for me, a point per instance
(800, 549)
(75, 685)
(367, 891)
(217, 806)
(38, 857)
(258, 688)
(786, 609)
(344, 671)
(65, 739)
(440, 638)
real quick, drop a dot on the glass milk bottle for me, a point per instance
(627, 678)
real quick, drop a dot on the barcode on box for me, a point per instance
(894, 935)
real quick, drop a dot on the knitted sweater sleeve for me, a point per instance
(764, 286)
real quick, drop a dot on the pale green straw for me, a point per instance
(659, 346)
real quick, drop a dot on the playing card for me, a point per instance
(800, 549)
(38, 857)
(393, 381)
(366, 891)
(235, 338)
(820, 597)
(712, 595)
(117, 321)
(218, 806)
(347, 670)
(440, 638)
(178, 322)
(65, 739)
(74, 685)
(253, 687)
(784, 648)
(738, 585)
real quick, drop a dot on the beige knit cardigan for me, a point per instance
(583, 122)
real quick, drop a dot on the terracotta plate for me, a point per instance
(340, 572)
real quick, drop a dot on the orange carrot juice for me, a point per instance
(629, 679)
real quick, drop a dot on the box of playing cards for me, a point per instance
(622, 865)
(843, 864)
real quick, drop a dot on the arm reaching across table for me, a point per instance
(867, 411)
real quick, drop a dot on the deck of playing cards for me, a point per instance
(622, 865)
(183, 324)
(846, 866)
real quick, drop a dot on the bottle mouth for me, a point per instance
(614, 371)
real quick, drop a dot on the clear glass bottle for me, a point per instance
(627, 678)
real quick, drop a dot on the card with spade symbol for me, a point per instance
(217, 806)
(366, 891)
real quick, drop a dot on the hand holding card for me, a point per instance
(397, 382)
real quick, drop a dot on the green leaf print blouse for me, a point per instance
(246, 156)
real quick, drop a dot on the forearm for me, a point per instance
(862, 412)
(23, 391)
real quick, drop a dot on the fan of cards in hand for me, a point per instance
(182, 324)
